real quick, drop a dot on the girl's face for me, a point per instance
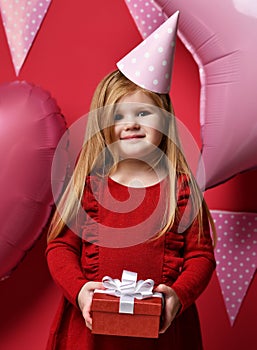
(138, 126)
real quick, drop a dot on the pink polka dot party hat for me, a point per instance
(149, 65)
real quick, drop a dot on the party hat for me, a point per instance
(149, 65)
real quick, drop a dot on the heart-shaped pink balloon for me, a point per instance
(31, 125)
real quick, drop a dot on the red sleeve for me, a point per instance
(63, 258)
(198, 254)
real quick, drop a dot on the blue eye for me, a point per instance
(118, 117)
(143, 113)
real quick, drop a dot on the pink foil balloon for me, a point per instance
(221, 37)
(30, 127)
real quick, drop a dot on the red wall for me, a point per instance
(79, 42)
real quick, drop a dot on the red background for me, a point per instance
(78, 43)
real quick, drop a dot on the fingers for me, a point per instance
(88, 319)
(162, 288)
(85, 297)
(91, 286)
(89, 325)
(166, 321)
(86, 313)
(172, 305)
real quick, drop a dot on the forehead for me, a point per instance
(137, 96)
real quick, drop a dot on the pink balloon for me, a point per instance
(31, 125)
(221, 38)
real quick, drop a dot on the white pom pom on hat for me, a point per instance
(149, 65)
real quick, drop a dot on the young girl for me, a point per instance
(144, 213)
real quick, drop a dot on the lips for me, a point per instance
(133, 136)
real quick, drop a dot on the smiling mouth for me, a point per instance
(132, 137)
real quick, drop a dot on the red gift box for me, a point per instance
(144, 322)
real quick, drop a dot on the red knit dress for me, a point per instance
(115, 237)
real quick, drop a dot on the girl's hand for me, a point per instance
(172, 305)
(85, 297)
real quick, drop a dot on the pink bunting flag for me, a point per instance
(147, 15)
(22, 20)
(236, 256)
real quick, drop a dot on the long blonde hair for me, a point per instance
(110, 90)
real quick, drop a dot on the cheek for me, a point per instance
(156, 137)
(157, 123)
(116, 132)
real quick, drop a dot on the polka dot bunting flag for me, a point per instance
(236, 256)
(149, 65)
(22, 20)
(146, 14)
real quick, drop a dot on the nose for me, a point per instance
(131, 123)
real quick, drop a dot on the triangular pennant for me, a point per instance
(147, 15)
(22, 20)
(236, 256)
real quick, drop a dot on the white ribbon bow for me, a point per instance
(128, 289)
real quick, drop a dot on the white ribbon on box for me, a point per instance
(128, 289)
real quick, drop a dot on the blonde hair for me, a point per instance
(99, 134)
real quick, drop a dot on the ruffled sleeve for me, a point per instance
(63, 258)
(90, 237)
(198, 254)
(72, 257)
